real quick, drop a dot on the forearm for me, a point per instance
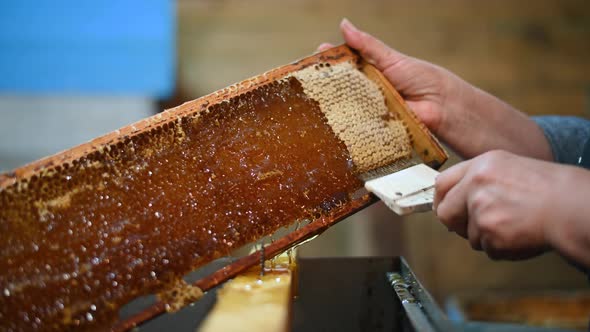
(488, 124)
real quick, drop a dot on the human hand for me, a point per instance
(426, 88)
(514, 207)
(468, 119)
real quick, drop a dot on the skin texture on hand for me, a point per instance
(514, 207)
(450, 107)
(508, 200)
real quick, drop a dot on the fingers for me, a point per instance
(452, 210)
(371, 48)
(324, 46)
(474, 236)
(430, 117)
(451, 198)
(447, 179)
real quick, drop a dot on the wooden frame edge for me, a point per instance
(423, 142)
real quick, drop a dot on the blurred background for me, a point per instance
(73, 70)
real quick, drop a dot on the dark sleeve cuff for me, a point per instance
(566, 135)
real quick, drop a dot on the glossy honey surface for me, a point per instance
(86, 238)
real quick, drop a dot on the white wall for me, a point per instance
(35, 127)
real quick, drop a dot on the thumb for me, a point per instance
(371, 48)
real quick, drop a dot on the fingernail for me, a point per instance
(345, 24)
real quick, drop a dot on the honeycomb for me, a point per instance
(84, 237)
(356, 111)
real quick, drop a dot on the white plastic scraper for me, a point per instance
(407, 191)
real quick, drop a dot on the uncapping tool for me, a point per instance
(407, 191)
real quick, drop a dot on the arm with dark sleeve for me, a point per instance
(567, 136)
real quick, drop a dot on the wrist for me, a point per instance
(464, 122)
(566, 221)
(496, 125)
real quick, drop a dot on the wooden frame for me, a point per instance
(424, 144)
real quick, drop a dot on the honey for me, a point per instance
(82, 239)
(256, 300)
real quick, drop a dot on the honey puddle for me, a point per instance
(81, 241)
